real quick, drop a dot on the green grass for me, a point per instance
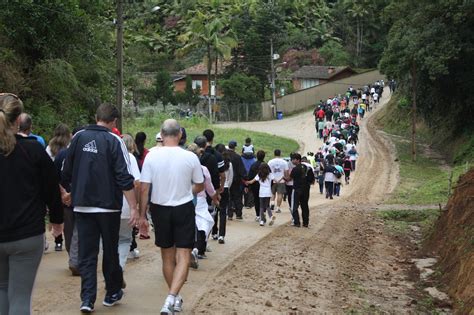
(399, 221)
(195, 126)
(423, 181)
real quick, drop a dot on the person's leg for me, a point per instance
(321, 183)
(224, 205)
(125, 239)
(181, 269)
(305, 207)
(289, 193)
(255, 187)
(201, 242)
(279, 195)
(263, 206)
(89, 236)
(236, 197)
(168, 256)
(296, 203)
(68, 227)
(74, 249)
(109, 230)
(4, 275)
(25, 257)
(330, 186)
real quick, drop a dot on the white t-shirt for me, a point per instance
(375, 96)
(265, 186)
(172, 171)
(278, 166)
(290, 167)
(135, 171)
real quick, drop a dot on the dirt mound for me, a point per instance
(453, 241)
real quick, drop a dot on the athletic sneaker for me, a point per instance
(133, 254)
(262, 223)
(110, 300)
(178, 304)
(208, 249)
(278, 210)
(214, 237)
(202, 256)
(87, 307)
(221, 240)
(194, 259)
(58, 247)
(167, 308)
(257, 219)
(272, 220)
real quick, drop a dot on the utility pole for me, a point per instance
(119, 88)
(273, 77)
(413, 112)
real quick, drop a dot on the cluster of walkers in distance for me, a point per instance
(102, 190)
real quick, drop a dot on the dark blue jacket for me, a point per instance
(97, 168)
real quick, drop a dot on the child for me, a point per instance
(264, 177)
(248, 149)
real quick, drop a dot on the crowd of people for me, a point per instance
(108, 189)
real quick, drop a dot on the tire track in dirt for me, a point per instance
(343, 262)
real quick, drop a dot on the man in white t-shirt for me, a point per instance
(279, 168)
(176, 176)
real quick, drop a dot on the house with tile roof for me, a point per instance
(198, 74)
(309, 76)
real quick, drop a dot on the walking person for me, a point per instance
(59, 141)
(329, 177)
(176, 177)
(279, 169)
(302, 177)
(264, 178)
(98, 169)
(236, 204)
(29, 182)
(255, 187)
(126, 231)
(220, 219)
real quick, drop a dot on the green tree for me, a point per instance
(164, 88)
(334, 54)
(240, 90)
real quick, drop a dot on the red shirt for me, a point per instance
(321, 113)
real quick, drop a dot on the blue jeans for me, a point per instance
(91, 227)
(19, 262)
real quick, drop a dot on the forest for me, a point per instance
(60, 56)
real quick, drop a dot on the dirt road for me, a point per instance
(342, 262)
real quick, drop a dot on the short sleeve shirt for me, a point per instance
(278, 166)
(265, 186)
(135, 171)
(171, 171)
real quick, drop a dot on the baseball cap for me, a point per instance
(158, 137)
(232, 144)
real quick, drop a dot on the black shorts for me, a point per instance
(174, 226)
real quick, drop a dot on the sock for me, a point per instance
(170, 299)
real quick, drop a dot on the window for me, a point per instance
(197, 84)
(307, 83)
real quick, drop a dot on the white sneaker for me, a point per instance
(167, 309)
(178, 304)
(134, 254)
(262, 223)
(257, 219)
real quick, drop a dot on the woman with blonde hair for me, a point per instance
(125, 233)
(29, 184)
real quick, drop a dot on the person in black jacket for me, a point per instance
(236, 188)
(302, 177)
(29, 184)
(255, 187)
(97, 167)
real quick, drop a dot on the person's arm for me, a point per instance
(197, 177)
(144, 191)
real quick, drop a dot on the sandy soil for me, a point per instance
(342, 262)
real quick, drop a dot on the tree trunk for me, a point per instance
(413, 112)
(246, 111)
(238, 112)
(215, 80)
(209, 65)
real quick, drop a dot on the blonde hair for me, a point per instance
(10, 108)
(129, 143)
(60, 139)
(193, 147)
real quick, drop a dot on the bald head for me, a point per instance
(170, 132)
(170, 128)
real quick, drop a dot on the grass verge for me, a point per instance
(400, 221)
(151, 124)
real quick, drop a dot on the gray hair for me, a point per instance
(170, 128)
(129, 143)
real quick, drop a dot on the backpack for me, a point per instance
(337, 173)
(309, 175)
